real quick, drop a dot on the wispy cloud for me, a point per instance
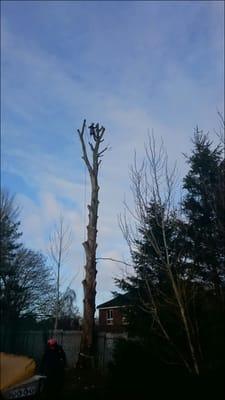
(131, 66)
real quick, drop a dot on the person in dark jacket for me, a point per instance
(53, 366)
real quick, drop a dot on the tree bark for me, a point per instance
(86, 356)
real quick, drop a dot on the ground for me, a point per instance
(91, 385)
(83, 385)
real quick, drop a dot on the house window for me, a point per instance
(109, 317)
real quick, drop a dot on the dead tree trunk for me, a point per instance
(90, 245)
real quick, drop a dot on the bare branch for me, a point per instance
(114, 260)
(103, 151)
(85, 156)
(152, 185)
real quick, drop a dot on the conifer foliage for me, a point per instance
(177, 248)
(204, 209)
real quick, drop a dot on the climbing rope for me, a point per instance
(85, 201)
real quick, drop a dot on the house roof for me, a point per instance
(118, 301)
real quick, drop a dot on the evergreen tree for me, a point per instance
(204, 207)
(149, 287)
(148, 252)
(165, 293)
(179, 265)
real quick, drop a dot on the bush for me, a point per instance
(135, 370)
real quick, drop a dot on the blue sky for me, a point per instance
(132, 66)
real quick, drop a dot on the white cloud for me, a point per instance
(129, 91)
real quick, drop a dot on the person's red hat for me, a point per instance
(52, 342)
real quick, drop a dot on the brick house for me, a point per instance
(112, 314)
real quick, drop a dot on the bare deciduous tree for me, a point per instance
(59, 243)
(90, 245)
(154, 183)
(25, 278)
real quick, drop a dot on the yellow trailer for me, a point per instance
(18, 378)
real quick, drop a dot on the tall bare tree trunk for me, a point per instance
(90, 245)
